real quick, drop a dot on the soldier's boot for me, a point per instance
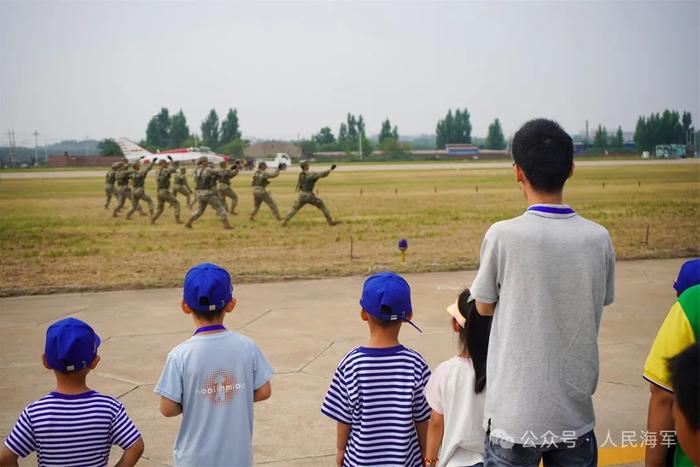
(252, 218)
(114, 213)
(177, 219)
(128, 215)
(331, 222)
(188, 225)
(150, 214)
(227, 226)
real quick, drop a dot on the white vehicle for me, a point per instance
(281, 161)
(133, 152)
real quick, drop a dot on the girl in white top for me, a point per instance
(455, 392)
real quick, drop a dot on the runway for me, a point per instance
(358, 167)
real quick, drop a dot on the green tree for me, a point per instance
(388, 132)
(600, 140)
(235, 147)
(308, 146)
(179, 131)
(343, 137)
(325, 136)
(109, 147)
(157, 131)
(210, 130)
(495, 139)
(454, 129)
(229, 127)
(617, 141)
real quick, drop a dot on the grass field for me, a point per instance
(56, 236)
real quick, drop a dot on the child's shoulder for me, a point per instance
(225, 339)
(453, 364)
(56, 400)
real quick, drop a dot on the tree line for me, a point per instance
(669, 127)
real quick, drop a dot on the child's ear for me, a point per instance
(94, 362)
(363, 315)
(44, 362)
(455, 325)
(573, 169)
(230, 305)
(185, 307)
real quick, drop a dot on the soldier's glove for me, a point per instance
(170, 158)
(333, 167)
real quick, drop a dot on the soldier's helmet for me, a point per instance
(162, 162)
(116, 165)
(223, 164)
(203, 160)
(183, 170)
(262, 165)
(304, 163)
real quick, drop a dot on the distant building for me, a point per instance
(66, 160)
(271, 148)
(461, 150)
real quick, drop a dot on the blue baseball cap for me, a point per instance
(688, 276)
(208, 287)
(387, 296)
(71, 345)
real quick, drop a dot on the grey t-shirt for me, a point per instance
(550, 272)
(214, 377)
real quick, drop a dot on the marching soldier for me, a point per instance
(180, 184)
(224, 187)
(110, 178)
(305, 187)
(260, 194)
(163, 180)
(139, 182)
(204, 184)
(123, 178)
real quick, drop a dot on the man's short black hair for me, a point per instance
(209, 315)
(545, 152)
(685, 379)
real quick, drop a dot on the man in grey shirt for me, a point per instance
(545, 277)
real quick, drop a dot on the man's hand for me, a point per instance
(339, 458)
(333, 167)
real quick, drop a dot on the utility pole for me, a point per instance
(587, 140)
(36, 147)
(360, 137)
(11, 137)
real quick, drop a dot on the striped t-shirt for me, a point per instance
(379, 393)
(72, 429)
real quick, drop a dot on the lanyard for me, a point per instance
(213, 327)
(551, 209)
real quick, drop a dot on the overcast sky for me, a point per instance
(71, 69)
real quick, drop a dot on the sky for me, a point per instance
(103, 68)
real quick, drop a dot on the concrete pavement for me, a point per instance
(354, 167)
(304, 328)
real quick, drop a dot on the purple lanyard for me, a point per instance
(551, 210)
(213, 327)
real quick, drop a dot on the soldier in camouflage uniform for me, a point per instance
(260, 193)
(204, 189)
(163, 180)
(305, 187)
(180, 184)
(123, 178)
(138, 183)
(110, 178)
(224, 186)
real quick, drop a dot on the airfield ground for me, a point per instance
(56, 236)
(304, 328)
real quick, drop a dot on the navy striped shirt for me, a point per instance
(379, 393)
(72, 429)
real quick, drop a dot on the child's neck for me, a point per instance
(198, 323)
(536, 197)
(379, 339)
(70, 386)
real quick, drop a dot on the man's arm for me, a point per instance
(342, 434)
(274, 173)
(132, 455)
(8, 458)
(436, 430)
(169, 408)
(659, 418)
(485, 309)
(263, 392)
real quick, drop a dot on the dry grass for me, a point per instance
(55, 235)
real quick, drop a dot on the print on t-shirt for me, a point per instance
(220, 386)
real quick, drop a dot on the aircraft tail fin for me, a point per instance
(131, 150)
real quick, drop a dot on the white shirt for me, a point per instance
(450, 392)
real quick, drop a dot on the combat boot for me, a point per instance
(227, 226)
(177, 220)
(188, 225)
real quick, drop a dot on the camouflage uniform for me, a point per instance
(123, 177)
(205, 179)
(181, 186)
(260, 193)
(305, 187)
(110, 178)
(139, 180)
(224, 186)
(163, 180)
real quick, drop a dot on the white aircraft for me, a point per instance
(133, 152)
(281, 161)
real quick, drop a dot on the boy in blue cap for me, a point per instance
(213, 378)
(72, 425)
(376, 395)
